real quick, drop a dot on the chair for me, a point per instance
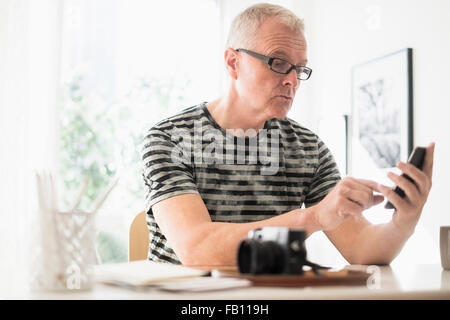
(138, 238)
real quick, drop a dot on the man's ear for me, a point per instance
(231, 62)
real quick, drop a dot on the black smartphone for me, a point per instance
(416, 158)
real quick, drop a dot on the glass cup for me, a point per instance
(64, 252)
(444, 246)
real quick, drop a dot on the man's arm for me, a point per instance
(186, 223)
(361, 242)
(196, 240)
(368, 243)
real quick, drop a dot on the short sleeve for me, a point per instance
(325, 178)
(164, 175)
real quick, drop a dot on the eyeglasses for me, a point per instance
(280, 66)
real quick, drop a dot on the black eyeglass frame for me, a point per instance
(269, 61)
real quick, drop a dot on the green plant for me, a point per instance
(101, 137)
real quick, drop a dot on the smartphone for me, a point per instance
(417, 159)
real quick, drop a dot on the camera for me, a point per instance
(273, 250)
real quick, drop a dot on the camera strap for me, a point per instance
(315, 267)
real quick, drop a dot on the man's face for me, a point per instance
(267, 93)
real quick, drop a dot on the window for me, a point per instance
(125, 66)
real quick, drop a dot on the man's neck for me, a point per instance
(232, 113)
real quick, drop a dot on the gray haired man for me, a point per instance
(199, 210)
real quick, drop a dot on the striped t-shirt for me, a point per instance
(277, 170)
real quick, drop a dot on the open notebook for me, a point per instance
(144, 273)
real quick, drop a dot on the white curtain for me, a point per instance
(29, 81)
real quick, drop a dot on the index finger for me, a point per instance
(370, 183)
(429, 159)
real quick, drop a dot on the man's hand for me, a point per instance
(349, 198)
(409, 208)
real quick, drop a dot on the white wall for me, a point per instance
(344, 33)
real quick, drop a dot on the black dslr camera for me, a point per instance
(274, 250)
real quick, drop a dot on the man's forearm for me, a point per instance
(216, 243)
(378, 244)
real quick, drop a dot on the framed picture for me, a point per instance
(381, 119)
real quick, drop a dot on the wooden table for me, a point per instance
(412, 282)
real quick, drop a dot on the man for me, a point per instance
(201, 204)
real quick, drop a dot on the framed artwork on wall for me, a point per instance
(381, 119)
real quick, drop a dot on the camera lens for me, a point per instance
(258, 257)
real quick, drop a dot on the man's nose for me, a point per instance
(291, 79)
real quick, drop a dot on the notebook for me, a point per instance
(144, 273)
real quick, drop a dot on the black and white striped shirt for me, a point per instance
(279, 169)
